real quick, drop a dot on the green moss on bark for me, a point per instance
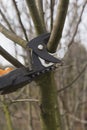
(50, 114)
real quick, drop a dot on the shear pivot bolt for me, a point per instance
(40, 47)
(38, 73)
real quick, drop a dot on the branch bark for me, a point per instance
(7, 113)
(52, 2)
(10, 58)
(50, 114)
(12, 36)
(58, 25)
(35, 17)
(39, 4)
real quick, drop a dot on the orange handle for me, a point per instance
(5, 71)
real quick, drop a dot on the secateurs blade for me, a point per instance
(22, 76)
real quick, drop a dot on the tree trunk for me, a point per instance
(50, 115)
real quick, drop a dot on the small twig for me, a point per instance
(77, 119)
(24, 100)
(63, 67)
(10, 58)
(6, 20)
(76, 28)
(77, 77)
(19, 18)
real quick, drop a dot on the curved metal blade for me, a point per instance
(43, 38)
(44, 54)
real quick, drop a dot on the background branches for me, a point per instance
(19, 19)
(10, 58)
(12, 36)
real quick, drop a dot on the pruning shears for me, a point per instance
(42, 62)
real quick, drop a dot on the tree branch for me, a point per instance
(35, 16)
(52, 2)
(6, 21)
(73, 81)
(39, 4)
(76, 28)
(10, 58)
(7, 113)
(19, 18)
(24, 100)
(12, 36)
(58, 25)
(83, 121)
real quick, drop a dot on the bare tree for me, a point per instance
(35, 21)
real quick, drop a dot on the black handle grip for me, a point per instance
(14, 80)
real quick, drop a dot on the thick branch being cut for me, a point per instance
(39, 4)
(58, 25)
(35, 17)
